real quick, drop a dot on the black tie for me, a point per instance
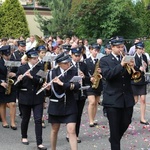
(76, 65)
(118, 58)
(95, 60)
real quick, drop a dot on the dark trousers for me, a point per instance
(119, 120)
(80, 105)
(37, 113)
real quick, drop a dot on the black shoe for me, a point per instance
(78, 141)
(145, 123)
(95, 123)
(13, 127)
(67, 139)
(5, 126)
(41, 148)
(91, 125)
(25, 143)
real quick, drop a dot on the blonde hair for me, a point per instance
(24, 59)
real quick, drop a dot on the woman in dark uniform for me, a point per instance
(139, 86)
(93, 93)
(28, 100)
(63, 106)
(6, 98)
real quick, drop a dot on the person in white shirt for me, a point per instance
(32, 43)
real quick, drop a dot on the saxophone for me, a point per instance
(97, 76)
(9, 81)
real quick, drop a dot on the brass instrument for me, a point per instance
(39, 41)
(135, 74)
(97, 76)
(9, 82)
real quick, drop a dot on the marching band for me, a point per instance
(68, 79)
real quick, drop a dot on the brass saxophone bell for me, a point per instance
(97, 76)
(8, 89)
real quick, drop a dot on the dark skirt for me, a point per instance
(62, 119)
(7, 98)
(92, 91)
(139, 90)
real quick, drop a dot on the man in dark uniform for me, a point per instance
(16, 56)
(117, 93)
(80, 96)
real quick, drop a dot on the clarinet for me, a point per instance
(81, 83)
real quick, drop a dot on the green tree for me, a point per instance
(99, 18)
(59, 24)
(13, 22)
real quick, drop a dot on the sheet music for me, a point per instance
(76, 79)
(41, 73)
(12, 63)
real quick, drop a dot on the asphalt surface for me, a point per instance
(137, 137)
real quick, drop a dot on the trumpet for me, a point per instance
(27, 71)
(130, 69)
(48, 84)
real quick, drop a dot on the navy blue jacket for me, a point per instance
(117, 91)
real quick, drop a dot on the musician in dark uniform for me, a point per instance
(117, 93)
(139, 86)
(81, 95)
(6, 74)
(93, 92)
(41, 50)
(16, 56)
(28, 100)
(63, 107)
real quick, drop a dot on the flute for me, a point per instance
(48, 84)
(26, 72)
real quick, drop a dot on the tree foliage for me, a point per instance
(59, 24)
(99, 18)
(13, 20)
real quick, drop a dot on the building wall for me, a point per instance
(32, 24)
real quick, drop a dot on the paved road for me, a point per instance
(137, 136)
